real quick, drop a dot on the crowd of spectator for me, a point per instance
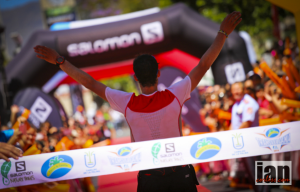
(258, 85)
(22, 139)
(218, 102)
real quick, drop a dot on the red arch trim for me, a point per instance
(174, 58)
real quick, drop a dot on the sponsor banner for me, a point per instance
(125, 158)
(274, 139)
(238, 144)
(138, 36)
(41, 105)
(164, 153)
(206, 148)
(150, 154)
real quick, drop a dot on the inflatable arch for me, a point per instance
(177, 36)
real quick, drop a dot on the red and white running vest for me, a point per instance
(154, 116)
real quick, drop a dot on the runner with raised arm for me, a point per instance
(153, 114)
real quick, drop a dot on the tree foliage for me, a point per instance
(125, 83)
(88, 9)
(256, 14)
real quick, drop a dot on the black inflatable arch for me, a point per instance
(176, 27)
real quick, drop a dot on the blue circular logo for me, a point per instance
(57, 166)
(206, 148)
(124, 151)
(273, 132)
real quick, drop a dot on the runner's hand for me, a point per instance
(46, 53)
(7, 151)
(230, 22)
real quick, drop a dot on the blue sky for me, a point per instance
(9, 4)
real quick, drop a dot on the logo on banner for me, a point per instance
(238, 144)
(274, 139)
(20, 166)
(206, 148)
(273, 173)
(235, 72)
(170, 154)
(124, 151)
(41, 109)
(273, 132)
(152, 32)
(90, 159)
(237, 141)
(170, 147)
(21, 176)
(57, 166)
(5, 168)
(90, 163)
(125, 158)
(155, 150)
(103, 45)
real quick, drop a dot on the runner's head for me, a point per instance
(146, 71)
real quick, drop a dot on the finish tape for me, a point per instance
(152, 154)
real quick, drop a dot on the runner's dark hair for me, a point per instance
(145, 68)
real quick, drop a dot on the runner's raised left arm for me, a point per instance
(227, 26)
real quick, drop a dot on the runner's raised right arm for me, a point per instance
(80, 76)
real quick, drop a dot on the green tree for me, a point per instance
(256, 14)
(88, 9)
(124, 83)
